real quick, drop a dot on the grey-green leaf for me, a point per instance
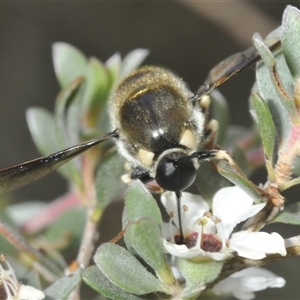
(265, 86)
(139, 204)
(94, 278)
(240, 157)
(133, 60)
(65, 100)
(220, 112)
(209, 181)
(236, 177)
(197, 275)
(42, 129)
(113, 65)
(265, 124)
(291, 39)
(125, 271)
(108, 181)
(60, 289)
(290, 215)
(145, 237)
(283, 90)
(69, 62)
(96, 89)
(65, 226)
(66, 104)
(296, 166)
(44, 133)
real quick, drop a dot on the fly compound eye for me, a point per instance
(175, 172)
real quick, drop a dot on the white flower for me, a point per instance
(209, 235)
(242, 284)
(11, 289)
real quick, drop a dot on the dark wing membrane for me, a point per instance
(16, 176)
(231, 66)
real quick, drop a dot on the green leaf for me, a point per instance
(240, 158)
(209, 181)
(267, 131)
(197, 275)
(234, 135)
(220, 112)
(296, 166)
(283, 95)
(133, 60)
(42, 129)
(139, 203)
(96, 90)
(236, 177)
(265, 85)
(265, 124)
(145, 237)
(61, 288)
(28, 274)
(23, 212)
(109, 185)
(44, 134)
(69, 63)
(290, 215)
(48, 132)
(67, 122)
(113, 65)
(94, 278)
(64, 101)
(72, 126)
(243, 143)
(290, 183)
(65, 226)
(6, 223)
(125, 271)
(291, 39)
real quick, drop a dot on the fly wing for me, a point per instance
(18, 175)
(231, 66)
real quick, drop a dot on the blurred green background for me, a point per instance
(186, 37)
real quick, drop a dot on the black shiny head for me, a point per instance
(175, 172)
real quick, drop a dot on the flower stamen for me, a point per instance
(10, 288)
(172, 233)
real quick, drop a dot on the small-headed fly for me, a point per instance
(159, 127)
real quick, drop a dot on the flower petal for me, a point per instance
(232, 205)
(184, 252)
(256, 245)
(242, 284)
(169, 231)
(29, 292)
(196, 206)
